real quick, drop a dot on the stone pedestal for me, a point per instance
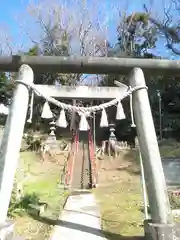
(154, 231)
(6, 230)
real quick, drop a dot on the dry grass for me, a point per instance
(120, 198)
(120, 195)
(170, 148)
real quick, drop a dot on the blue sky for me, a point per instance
(10, 9)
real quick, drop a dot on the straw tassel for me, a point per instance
(61, 121)
(46, 112)
(120, 112)
(3, 109)
(31, 108)
(83, 125)
(131, 111)
(104, 119)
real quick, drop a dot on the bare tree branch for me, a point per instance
(85, 26)
(167, 27)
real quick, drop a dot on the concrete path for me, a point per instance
(80, 219)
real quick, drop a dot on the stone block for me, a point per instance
(6, 230)
(155, 231)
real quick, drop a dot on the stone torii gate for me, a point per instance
(11, 141)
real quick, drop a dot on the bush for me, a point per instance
(21, 207)
(33, 141)
(174, 201)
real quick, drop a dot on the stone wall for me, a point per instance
(171, 167)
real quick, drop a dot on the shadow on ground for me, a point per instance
(76, 226)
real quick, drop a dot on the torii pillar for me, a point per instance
(161, 223)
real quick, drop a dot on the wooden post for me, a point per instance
(11, 140)
(154, 176)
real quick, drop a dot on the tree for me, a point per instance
(135, 35)
(6, 87)
(76, 29)
(136, 38)
(168, 26)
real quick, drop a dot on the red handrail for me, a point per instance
(92, 159)
(68, 178)
(76, 140)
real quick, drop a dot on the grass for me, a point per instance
(119, 197)
(120, 208)
(170, 148)
(43, 181)
(121, 200)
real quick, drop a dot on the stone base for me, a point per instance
(51, 139)
(6, 230)
(154, 231)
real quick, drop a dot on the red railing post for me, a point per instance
(68, 177)
(92, 159)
